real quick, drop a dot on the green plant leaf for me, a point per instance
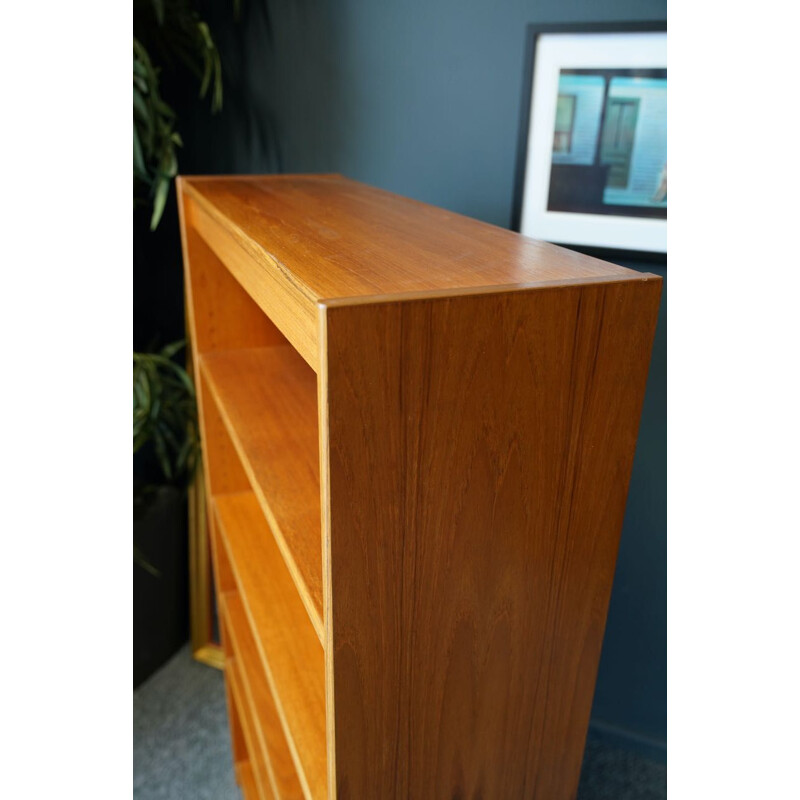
(162, 454)
(217, 102)
(139, 167)
(158, 7)
(140, 69)
(205, 35)
(164, 411)
(140, 559)
(160, 201)
(207, 73)
(164, 110)
(169, 350)
(140, 107)
(172, 164)
(169, 436)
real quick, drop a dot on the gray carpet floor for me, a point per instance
(181, 746)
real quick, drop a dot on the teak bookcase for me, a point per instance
(418, 432)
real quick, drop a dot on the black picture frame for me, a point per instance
(532, 34)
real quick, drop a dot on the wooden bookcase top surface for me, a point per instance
(334, 239)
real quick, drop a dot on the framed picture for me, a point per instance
(592, 149)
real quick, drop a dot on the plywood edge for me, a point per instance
(472, 291)
(327, 598)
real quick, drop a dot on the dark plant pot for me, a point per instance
(160, 603)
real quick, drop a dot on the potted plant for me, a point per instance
(166, 451)
(165, 435)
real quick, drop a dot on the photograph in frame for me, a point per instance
(592, 154)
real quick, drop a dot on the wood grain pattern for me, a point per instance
(269, 733)
(440, 505)
(289, 650)
(238, 745)
(254, 755)
(220, 313)
(286, 302)
(238, 742)
(200, 598)
(479, 454)
(209, 288)
(225, 581)
(245, 779)
(221, 464)
(267, 398)
(333, 237)
(297, 240)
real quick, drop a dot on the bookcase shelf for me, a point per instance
(245, 779)
(258, 767)
(267, 399)
(418, 431)
(290, 656)
(271, 742)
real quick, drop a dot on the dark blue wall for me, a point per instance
(422, 97)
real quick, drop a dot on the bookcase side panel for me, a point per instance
(478, 452)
